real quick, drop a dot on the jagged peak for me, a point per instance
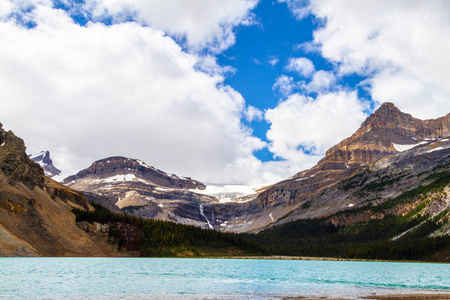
(43, 159)
(388, 105)
(386, 114)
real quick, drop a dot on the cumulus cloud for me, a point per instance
(401, 46)
(321, 81)
(301, 65)
(303, 128)
(88, 92)
(204, 23)
(284, 85)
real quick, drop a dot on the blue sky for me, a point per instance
(224, 91)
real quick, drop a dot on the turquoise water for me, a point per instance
(171, 278)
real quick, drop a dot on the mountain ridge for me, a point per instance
(387, 132)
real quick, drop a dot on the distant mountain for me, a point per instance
(43, 159)
(121, 169)
(35, 211)
(135, 187)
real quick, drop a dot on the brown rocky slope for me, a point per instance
(35, 211)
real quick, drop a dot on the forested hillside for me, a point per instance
(146, 237)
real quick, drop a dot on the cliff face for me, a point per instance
(35, 211)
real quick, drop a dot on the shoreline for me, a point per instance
(316, 258)
(384, 297)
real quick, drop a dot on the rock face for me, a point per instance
(135, 187)
(35, 211)
(43, 159)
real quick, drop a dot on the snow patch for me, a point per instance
(228, 193)
(33, 156)
(351, 205)
(271, 217)
(3, 144)
(144, 164)
(401, 148)
(118, 178)
(438, 149)
(162, 189)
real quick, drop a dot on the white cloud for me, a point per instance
(299, 8)
(302, 128)
(273, 60)
(301, 65)
(402, 46)
(253, 114)
(204, 23)
(86, 93)
(307, 47)
(322, 80)
(284, 85)
(5, 8)
(257, 61)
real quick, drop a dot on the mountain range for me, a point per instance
(145, 191)
(393, 167)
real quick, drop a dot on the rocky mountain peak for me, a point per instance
(387, 131)
(43, 159)
(128, 169)
(14, 162)
(382, 136)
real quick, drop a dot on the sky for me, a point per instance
(223, 91)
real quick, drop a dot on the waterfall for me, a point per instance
(203, 214)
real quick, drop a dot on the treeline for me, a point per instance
(158, 238)
(319, 237)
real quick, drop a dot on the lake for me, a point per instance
(173, 278)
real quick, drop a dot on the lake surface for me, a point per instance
(172, 278)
